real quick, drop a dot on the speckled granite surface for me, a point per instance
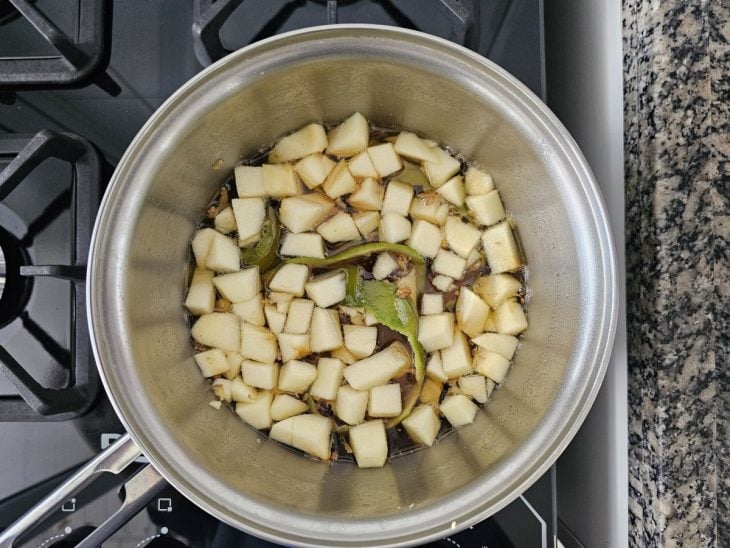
(677, 96)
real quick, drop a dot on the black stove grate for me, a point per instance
(209, 17)
(80, 60)
(34, 401)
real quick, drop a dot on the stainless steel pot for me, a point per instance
(397, 78)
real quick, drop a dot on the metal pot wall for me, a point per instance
(139, 259)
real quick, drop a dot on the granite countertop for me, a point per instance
(677, 102)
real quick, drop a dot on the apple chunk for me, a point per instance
(368, 196)
(422, 425)
(258, 343)
(442, 169)
(223, 254)
(478, 182)
(471, 312)
(350, 137)
(218, 329)
(340, 228)
(280, 180)
(285, 406)
(385, 401)
(351, 405)
(308, 140)
(309, 433)
(313, 169)
(303, 213)
(412, 147)
(290, 278)
(201, 294)
(326, 333)
(436, 331)
(491, 365)
(360, 339)
(240, 286)
(211, 362)
(458, 409)
(306, 244)
(296, 376)
(504, 345)
(329, 378)
(250, 214)
(510, 318)
(327, 289)
(501, 248)
(385, 159)
(249, 181)
(369, 443)
(257, 413)
(378, 368)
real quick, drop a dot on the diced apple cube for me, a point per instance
(370, 319)
(217, 329)
(430, 207)
(313, 169)
(296, 376)
(257, 413)
(491, 365)
(497, 288)
(385, 264)
(456, 359)
(258, 343)
(435, 369)
(442, 169)
(378, 368)
(326, 333)
(329, 379)
(412, 147)
(436, 331)
(474, 386)
(504, 345)
(275, 320)
(240, 391)
(234, 365)
(471, 312)
(225, 221)
(293, 346)
(394, 228)
(453, 190)
(306, 244)
(449, 264)
(366, 222)
(478, 182)
(280, 180)
(340, 181)
(212, 362)
(398, 198)
(360, 165)
(369, 443)
(487, 208)
(283, 306)
(443, 283)
(299, 316)
(303, 213)
(343, 354)
(260, 375)
(222, 389)
(461, 237)
(350, 137)
(510, 318)
(340, 228)
(201, 294)
(309, 433)
(223, 254)
(285, 406)
(327, 289)
(360, 340)
(431, 391)
(432, 303)
(249, 181)
(351, 405)
(201, 245)
(385, 159)
(308, 140)
(425, 238)
(250, 214)
(239, 286)
(385, 401)
(422, 425)
(491, 325)
(290, 279)
(459, 410)
(368, 196)
(501, 248)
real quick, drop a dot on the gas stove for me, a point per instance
(75, 86)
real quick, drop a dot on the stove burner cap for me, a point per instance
(14, 288)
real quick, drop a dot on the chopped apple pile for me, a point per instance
(357, 280)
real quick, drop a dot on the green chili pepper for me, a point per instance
(363, 250)
(379, 299)
(263, 252)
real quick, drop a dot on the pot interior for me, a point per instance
(140, 264)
